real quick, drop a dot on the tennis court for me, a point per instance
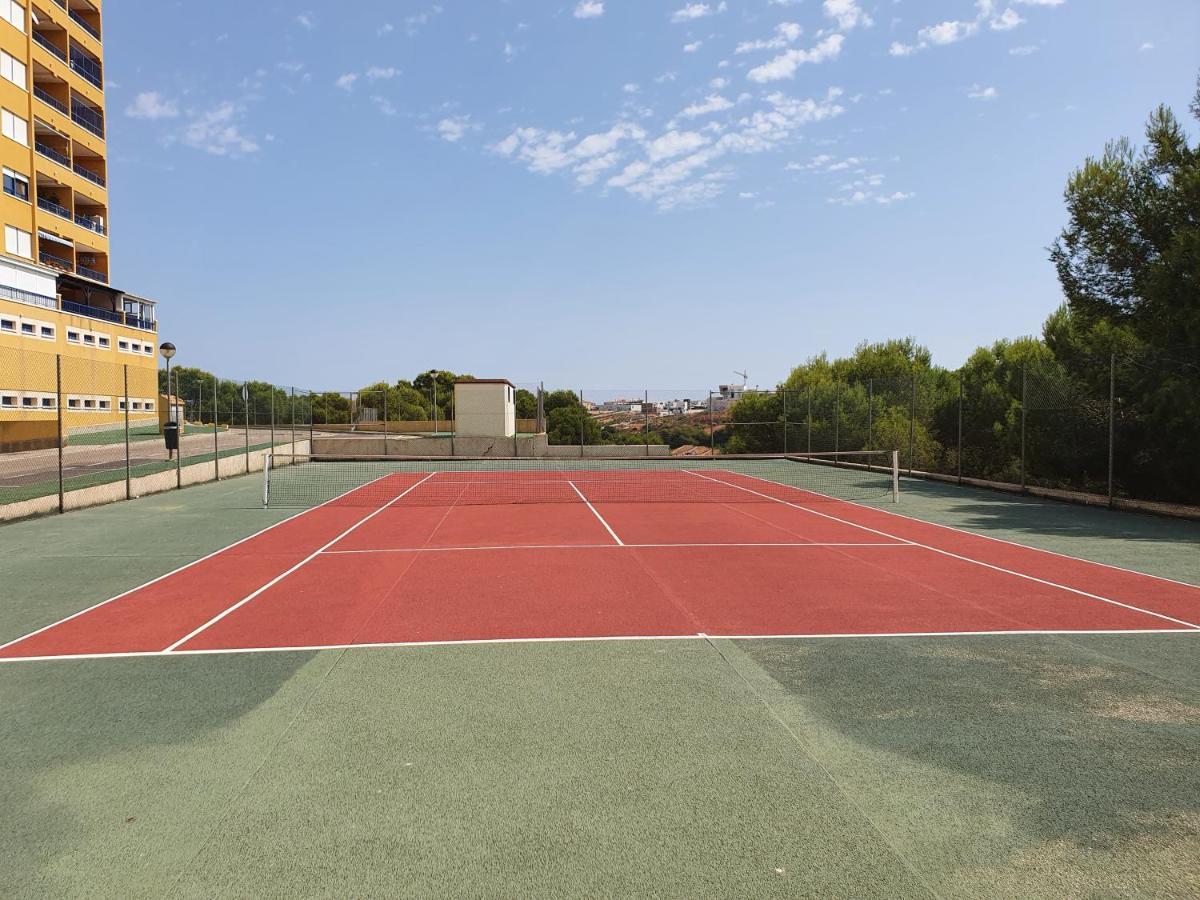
(393, 553)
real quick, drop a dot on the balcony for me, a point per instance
(84, 172)
(89, 223)
(43, 41)
(92, 312)
(51, 154)
(87, 67)
(83, 23)
(45, 96)
(51, 207)
(145, 324)
(90, 273)
(57, 262)
(12, 293)
(88, 118)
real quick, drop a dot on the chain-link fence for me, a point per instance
(1035, 425)
(76, 431)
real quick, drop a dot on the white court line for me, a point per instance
(958, 556)
(607, 527)
(805, 544)
(702, 636)
(278, 578)
(194, 562)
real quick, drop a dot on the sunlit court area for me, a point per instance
(895, 592)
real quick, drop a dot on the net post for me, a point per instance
(59, 405)
(267, 477)
(128, 474)
(895, 476)
(246, 418)
(785, 420)
(1112, 418)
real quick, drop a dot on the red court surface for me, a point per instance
(757, 560)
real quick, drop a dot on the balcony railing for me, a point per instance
(50, 153)
(58, 262)
(88, 118)
(92, 312)
(89, 223)
(51, 206)
(91, 273)
(145, 324)
(39, 38)
(87, 67)
(94, 177)
(50, 101)
(82, 23)
(21, 296)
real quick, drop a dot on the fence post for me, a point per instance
(582, 423)
(216, 429)
(912, 426)
(837, 417)
(181, 420)
(870, 416)
(385, 418)
(293, 418)
(646, 421)
(712, 427)
(272, 417)
(59, 405)
(1112, 421)
(1023, 404)
(785, 421)
(128, 476)
(312, 415)
(809, 394)
(246, 418)
(961, 389)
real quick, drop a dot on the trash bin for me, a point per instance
(171, 435)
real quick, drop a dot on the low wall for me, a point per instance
(523, 445)
(155, 483)
(443, 426)
(630, 451)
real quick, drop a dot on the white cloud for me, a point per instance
(1040, 2)
(455, 128)
(1006, 21)
(697, 11)
(307, 21)
(674, 143)
(979, 92)
(216, 131)
(719, 83)
(713, 103)
(693, 46)
(589, 9)
(630, 88)
(545, 152)
(385, 28)
(950, 32)
(847, 14)
(381, 73)
(1023, 51)
(785, 65)
(417, 21)
(346, 82)
(1146, 46)
(384, 105)
(152, 105)
(785, 33)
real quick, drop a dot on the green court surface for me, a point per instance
(982, 766)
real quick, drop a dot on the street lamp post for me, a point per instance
(167, 349)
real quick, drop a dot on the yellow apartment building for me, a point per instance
(64, 330)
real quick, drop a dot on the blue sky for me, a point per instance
(609, 193)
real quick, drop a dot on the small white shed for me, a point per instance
(485, 407)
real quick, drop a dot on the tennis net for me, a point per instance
(305, 480)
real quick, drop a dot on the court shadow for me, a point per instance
(117, 756)
(988, 512)
(1074, 748)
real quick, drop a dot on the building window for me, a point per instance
(105, 405)
(8, 325)
(14, 70)
(48, 332)
(122, 345)
(135, 404)
(13, 13)
(47, 403)
(18, 242)
(72, 337)
(28, 402)
(149, 406)
(14, 127)
(27, 328)
(73, 403)
(16, 184)
(121, 404)
(89, 339)
(8, 401)
(147, 348)
(89, 403)
(104, 342)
